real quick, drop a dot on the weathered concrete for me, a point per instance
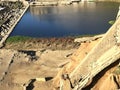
(12, 27)
(21, 69)
(53, 2)
(88, 39)
(6, 58)
(102, 55)
(118, 15)
(108, 0)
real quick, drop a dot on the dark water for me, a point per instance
(59, 21)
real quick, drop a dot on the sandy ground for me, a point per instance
(27, 66)
(24, 67)
(44, 43)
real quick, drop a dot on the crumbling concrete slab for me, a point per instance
(6, 57)
(102, 55)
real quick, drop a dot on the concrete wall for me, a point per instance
(62, 0)
(103, 0)
(110, 0)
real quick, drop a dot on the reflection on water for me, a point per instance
(37, 10)
(58, 21)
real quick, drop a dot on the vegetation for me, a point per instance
(111, 22)
(15, 39)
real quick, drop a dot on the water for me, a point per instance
(59, 21)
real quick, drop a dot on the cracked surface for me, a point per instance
(18, 68)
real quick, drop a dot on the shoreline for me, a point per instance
(41, 43)
(11, 28)
(74, 37)
(63, 43)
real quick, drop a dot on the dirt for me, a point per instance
(104, 82)
(28, 69)
(32, 65)
(65, 43)
(77, 57)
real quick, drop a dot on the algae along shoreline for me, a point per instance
(18, 38)
(23, 43)
(62, 43)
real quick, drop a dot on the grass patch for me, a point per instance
(15, 39)
(111, 22)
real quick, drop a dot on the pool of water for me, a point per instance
(84, 18)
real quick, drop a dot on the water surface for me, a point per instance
(59, 21)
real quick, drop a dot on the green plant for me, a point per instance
(111, 22)
(16, 39)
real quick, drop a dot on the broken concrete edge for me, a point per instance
(31, 81)
(52, 3)
(9, 64)
(118, 14)
(111, 30)
(13, 26)
(113, 27)
(88, 39)
(108, 62)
